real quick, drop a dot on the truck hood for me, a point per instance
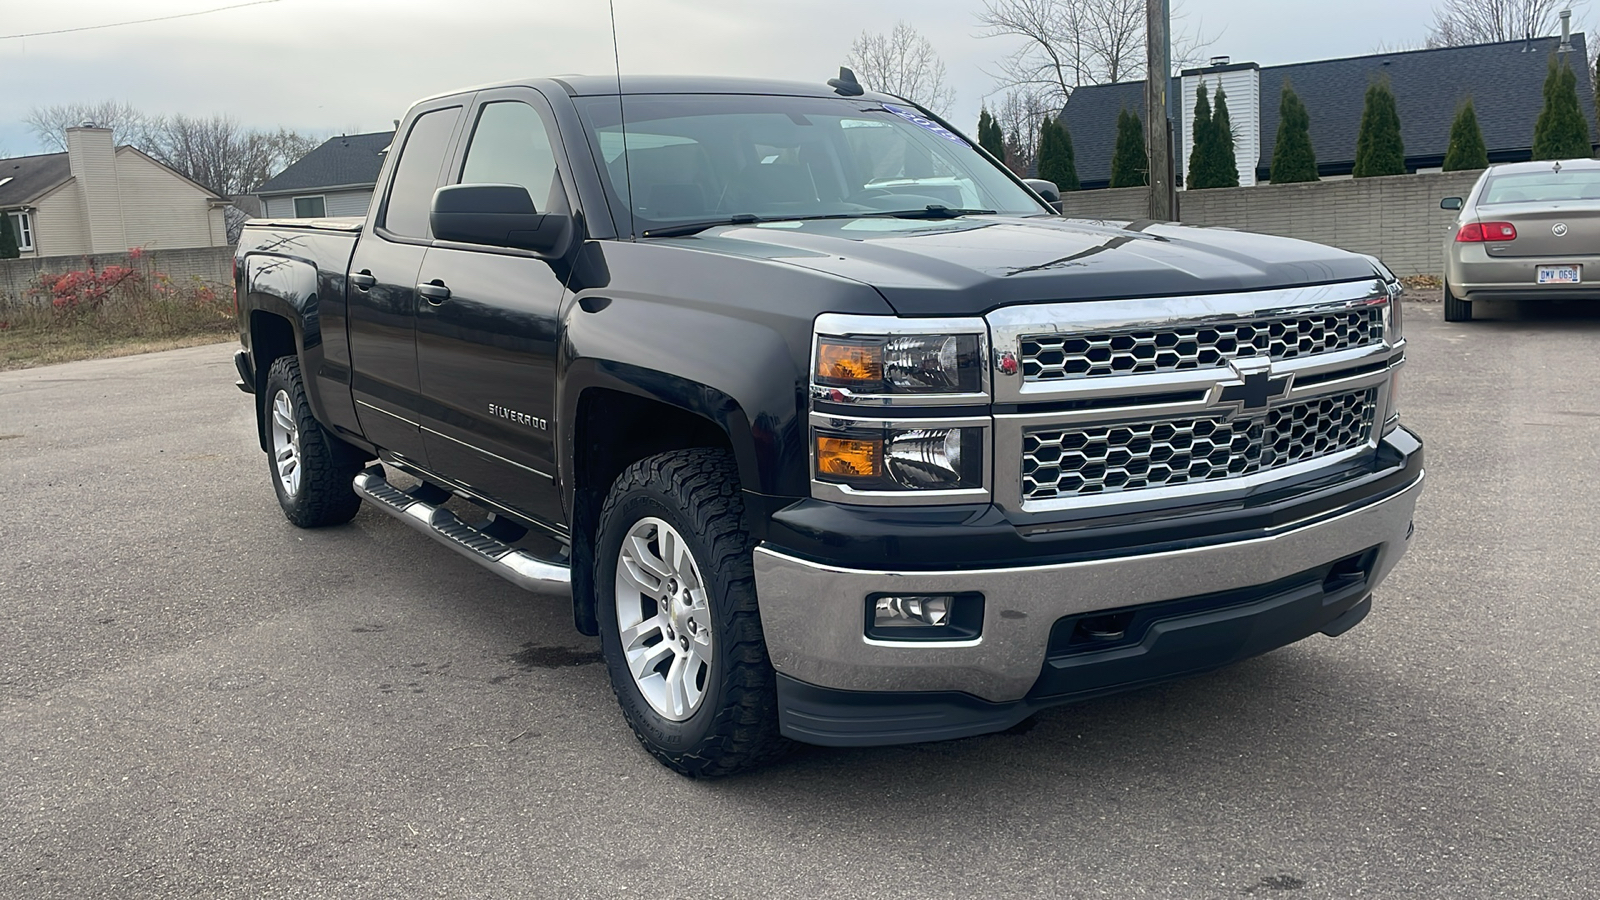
(975, 264)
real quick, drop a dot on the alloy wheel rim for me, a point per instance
(664, 619)
(285, 444)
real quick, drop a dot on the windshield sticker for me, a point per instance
(922, 121)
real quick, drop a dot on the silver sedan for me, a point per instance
(1528, 231)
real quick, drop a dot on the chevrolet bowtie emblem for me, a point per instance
(1257, 387)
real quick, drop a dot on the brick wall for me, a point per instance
(212, 264)
(1396, 218)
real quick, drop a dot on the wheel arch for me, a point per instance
(611, 421)
(272, 336)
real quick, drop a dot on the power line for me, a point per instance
(187, 15)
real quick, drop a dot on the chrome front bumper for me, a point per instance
(814, 614)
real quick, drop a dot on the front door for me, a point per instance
(383, 290)
(487, 326)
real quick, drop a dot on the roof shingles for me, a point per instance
(24, 178)
(347, 160)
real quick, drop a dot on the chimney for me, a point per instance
(92, 157)
(1243, 85)
(1566, 31)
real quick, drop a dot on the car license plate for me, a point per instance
(1559, 275)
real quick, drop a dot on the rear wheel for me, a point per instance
(311, 470)
(679, 625)
(1455, 310)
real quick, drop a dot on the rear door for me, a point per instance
(486, 353)
(383, 286)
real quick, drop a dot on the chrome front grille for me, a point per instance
(1100, 459)
(1061, 357)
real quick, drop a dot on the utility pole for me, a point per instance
(1163, 206)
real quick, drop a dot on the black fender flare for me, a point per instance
(287, 289)
(676, 391)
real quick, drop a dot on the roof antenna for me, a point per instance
(622, 122)
(846, 84)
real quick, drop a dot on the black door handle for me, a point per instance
(363, 279)
(434, 291)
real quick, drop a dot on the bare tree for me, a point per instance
(216, 151)
(49, 124)
(220, 154)
(1020, 113)
(1459, 22)
(1067, 43)
(902, 63)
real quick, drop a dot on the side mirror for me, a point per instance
(493, 215)
(1047, 190)
(1450, 203)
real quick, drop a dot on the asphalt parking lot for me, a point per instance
(199, 700)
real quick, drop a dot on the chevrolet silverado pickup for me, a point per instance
(833, 430)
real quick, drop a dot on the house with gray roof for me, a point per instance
(1504, 80)
(336, 179)
(101, 198)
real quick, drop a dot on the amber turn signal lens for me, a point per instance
(849, 458)
(847, 365)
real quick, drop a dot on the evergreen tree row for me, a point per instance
(1561, 132)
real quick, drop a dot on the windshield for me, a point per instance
(1535, 187)
(698, 158)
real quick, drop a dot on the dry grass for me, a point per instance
(92, 314)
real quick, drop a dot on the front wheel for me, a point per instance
(679, 625)
(312, 471)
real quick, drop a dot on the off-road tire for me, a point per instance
(735, 727)
(327, 465)
(1456, 310)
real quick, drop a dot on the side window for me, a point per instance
(416, 176)
(511, 145)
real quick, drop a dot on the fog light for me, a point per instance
(924, 617)
(911, 612)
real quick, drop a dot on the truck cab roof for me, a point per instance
(601, 85)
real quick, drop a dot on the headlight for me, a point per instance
(886, 458)
(892, 418)
(901, 364)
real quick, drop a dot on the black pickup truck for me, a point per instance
(834, 430)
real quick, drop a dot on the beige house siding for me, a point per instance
(119, 198)
(161, 210)
(58, 226)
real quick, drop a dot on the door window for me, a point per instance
(511, 144)
(416, 176)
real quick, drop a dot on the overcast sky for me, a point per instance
(338, 66)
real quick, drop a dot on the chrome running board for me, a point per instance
(421, 508)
